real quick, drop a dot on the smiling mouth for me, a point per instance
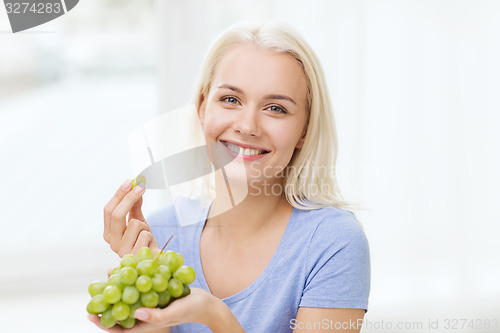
(243, 151)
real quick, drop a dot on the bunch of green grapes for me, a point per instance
(140, 281)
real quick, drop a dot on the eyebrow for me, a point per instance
(273, 96)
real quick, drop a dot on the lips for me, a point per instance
(243, 149)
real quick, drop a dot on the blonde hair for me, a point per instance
(310, 180)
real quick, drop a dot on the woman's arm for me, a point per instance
(223, 320)
(324, 320)
(162, 330)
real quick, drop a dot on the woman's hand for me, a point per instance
(197, 307)
(128, 237)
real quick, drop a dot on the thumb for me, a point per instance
(155, 316)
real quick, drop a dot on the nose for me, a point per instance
(247, 121)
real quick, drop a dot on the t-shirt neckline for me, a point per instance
(262, 277)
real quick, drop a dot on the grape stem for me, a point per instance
(164, 246)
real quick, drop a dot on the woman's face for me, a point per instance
(256, 108)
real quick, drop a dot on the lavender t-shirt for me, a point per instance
(323, 260)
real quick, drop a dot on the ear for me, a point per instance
(302, 138)
(201, 110)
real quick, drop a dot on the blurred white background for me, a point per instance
(414, 84)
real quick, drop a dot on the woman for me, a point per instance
(288, 257)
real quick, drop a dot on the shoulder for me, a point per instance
(330, 224)
(335, 235)
(342, 225)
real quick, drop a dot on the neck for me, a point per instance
(250, 218)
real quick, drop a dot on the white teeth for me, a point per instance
(241, 151)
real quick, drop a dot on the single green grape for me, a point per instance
(171, 261)
(175, 288)
(130, 295)
(107, 319)
(96, 287)
(115, 270)
(163, 271)
(150, 299)
(185, 274)
(114, 280)
(138, 180)
(186, 291)
(127, 323)
(112, 294)
(128, 276)
(160, 258)
(128, 260)
(146, 267)
(164, 298)
(144, 253)
(120, 311)
(91, 310)
(144, 283)
(180, 259)
(160, 284)
(134, 307)
(97, 305)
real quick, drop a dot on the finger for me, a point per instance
(136, 212)
(131, 236)
(110, 206)
(95, 319)
(144, 239)
(118, 217)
